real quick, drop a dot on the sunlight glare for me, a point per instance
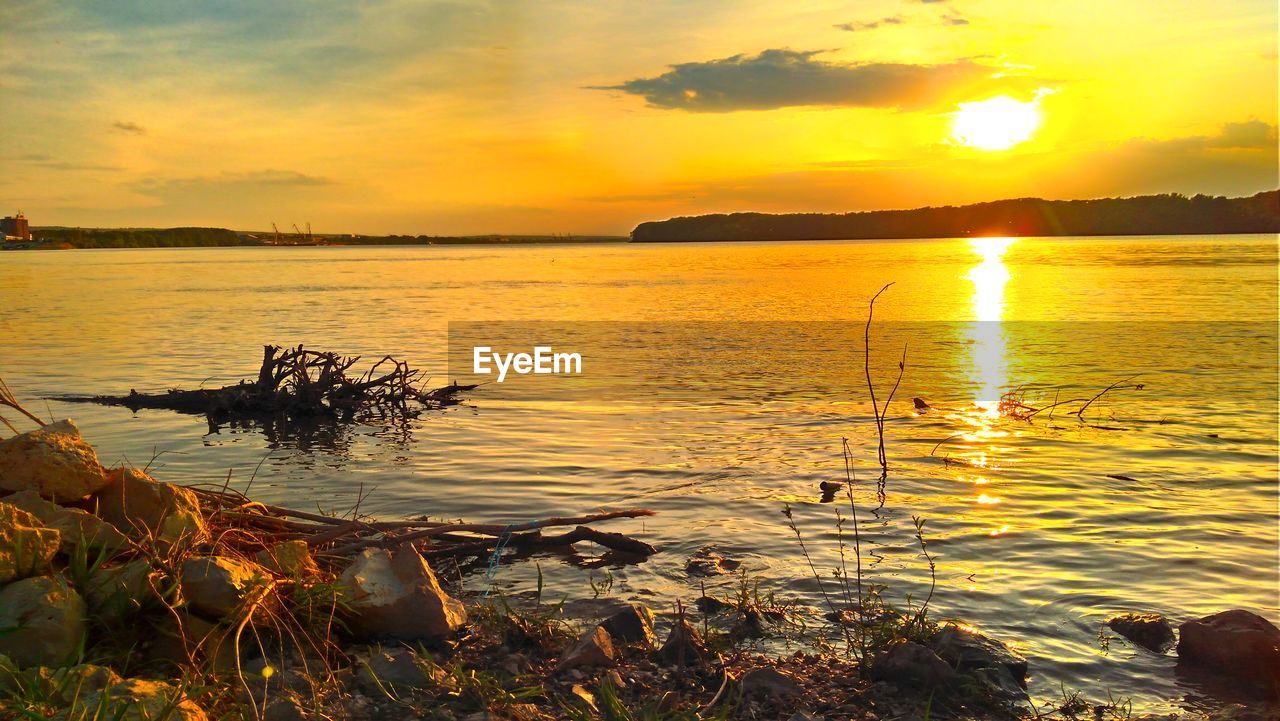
(998, 123)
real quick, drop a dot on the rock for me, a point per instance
(708, 562)
(593, 648)
(44, 622)
(65, 685)
(633, 624)
(284, 709)
(514, 664)
(966, 649)
(1148, 630)
(395, 595)
(116, 592)
(771, 681)
(842, 617)
(710, 604)
(180, 636)
(53, 461)
(906, 664)
(135, 700)
(999, 683)
(78, 528)
(1235, 643)
(388, 671)
(222, 587)
(1240, 712)
(144, 508)
(26, 546)
(684, 646)
(291, 559)
(10, 676)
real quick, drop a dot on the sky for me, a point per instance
(590, 116)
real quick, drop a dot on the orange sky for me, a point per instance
(583, 117)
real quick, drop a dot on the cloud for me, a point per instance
(872, 24)
(133, 128)
(784, 78)
(1251, 134)
(948, 17)
(1239, 159)
(252, 181)
(49, 162)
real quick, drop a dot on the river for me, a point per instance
(1163, 499)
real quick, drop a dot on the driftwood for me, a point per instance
(333, 537)
(1013, 403)
(302, 383)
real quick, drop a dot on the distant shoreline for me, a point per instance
(1150, 215)
(612, 240)
(98, 238)
(1023, 217)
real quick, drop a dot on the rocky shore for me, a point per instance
(126, 598)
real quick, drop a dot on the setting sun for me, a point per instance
(995, 124)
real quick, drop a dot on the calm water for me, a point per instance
(1036, 541)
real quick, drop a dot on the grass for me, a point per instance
(609, 706)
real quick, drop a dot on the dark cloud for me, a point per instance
(133, 128)
(954, 18)
(783, 78)
(872, 24)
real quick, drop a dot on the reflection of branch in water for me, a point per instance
(305, 436)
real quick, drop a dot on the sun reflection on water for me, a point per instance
(989, 368)
(990, 363)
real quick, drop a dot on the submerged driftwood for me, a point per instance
(302, 383)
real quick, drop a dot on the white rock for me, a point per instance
(396, 595)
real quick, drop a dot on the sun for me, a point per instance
(998, 123)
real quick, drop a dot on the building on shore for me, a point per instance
(15, 227)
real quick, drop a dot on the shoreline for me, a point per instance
(170, 584)
(59, 245)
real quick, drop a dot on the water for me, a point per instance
(1036, 539)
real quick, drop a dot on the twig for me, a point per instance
(8, 399)
(1080, 412)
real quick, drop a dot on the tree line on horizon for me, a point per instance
(142, 237)
(214, 237)
(1169, 214)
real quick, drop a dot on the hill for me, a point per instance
(1144, 215)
